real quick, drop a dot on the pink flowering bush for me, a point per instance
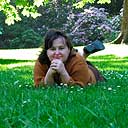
(89, 25)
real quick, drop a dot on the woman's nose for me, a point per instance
(57, 54)
(57, 51)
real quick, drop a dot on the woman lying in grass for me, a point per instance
(60, 64)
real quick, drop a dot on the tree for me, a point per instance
(123, 36)
(15, 8)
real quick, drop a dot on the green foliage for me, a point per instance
(27, 39)
(82, 3)
(61, 15)
(103, 105)
(89, 25)
(103, 1)
(1, 30)
(52, 15)
(12, 10)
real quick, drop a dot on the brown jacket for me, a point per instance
(77, 68)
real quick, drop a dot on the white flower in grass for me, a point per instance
(65, 84)
(71, 91)
(114, 91)
(109, 88)
(66, 91)
(61, 84)
(89, 84)
(118, 86)
(26, 85)
(104, 87)
(121, 75)
(20, 86)
(80, 89)
(26, 101)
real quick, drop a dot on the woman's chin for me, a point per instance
(57, 59)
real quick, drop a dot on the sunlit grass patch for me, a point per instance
(110, 62)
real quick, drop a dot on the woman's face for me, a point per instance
(59, 50)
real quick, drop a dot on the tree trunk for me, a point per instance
(123, 36)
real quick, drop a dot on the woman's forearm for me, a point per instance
(65, 77)
(49, 79)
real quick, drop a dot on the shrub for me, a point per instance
(27, 39)
(116, 26)
(89, 25)
(83, 25)
(54, 15)
(116, 21)
(1, 30)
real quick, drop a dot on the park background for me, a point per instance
(103, 105)
(83, 25)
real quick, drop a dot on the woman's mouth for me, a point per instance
(57, 56)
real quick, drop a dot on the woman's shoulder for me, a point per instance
(76, 62)
(77, 58)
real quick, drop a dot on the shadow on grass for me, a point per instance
(13, 61)
(103, 62)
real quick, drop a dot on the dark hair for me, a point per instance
(50, 36)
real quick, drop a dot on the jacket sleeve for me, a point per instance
(39, 73)
(79, 72)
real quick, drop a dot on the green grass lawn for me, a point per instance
(104, 105)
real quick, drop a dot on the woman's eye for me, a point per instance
(52, 49)
(61, 48)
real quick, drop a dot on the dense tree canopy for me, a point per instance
(15, 8)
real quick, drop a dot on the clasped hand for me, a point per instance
(57, 66)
